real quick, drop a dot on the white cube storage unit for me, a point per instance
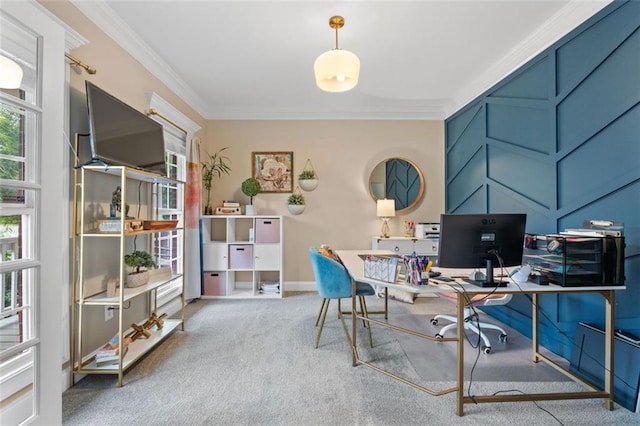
(242, 256)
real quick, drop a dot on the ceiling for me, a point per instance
(254, 59)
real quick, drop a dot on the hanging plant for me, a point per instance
(308, 178)
(296, 203)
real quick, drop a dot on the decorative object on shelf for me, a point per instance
(215, 166)
(409, 228)
(113, 226)
(274, 171)
(159, 224)
(308, 179)
(250, 187)
(154, 320)
(336, 70)
(385, 210)
(296, 203)
(138, 259)
(228, 210)
(116, 205)
(138, 331)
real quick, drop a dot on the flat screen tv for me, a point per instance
(476, 241)
(121, 135)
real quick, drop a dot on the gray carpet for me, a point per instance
(510, 361)
(252, 362)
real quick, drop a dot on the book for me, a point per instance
(230, 203)
(108, 359)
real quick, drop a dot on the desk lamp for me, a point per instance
(386, 209)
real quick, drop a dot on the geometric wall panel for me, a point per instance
(521, 125)
(531, 84)
(581, 54)
(467, 144)
(573, 157)
(523, 175)
(455, 128)
(604, 95)
(598, 163)
(467, 181)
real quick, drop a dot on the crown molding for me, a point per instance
(562, 23)
(417, 113)
(174, 114)
(101, 14)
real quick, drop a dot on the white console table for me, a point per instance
(407, 245)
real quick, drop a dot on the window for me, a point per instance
(169, 244)
(20, 195)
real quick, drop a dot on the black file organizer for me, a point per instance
(587, 361)
(572, 261)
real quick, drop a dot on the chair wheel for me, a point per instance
(439, 336)
(434, 321)
(503, 338)
(486, 349)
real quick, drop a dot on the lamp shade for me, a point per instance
(337, 70)
(386, 208)
(10, 73)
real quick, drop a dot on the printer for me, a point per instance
(427, 230)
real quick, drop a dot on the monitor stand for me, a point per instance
(487, 281)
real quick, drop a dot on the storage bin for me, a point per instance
(267, 230)
(214, 284)
(240, 256)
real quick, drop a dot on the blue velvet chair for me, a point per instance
(334, 282)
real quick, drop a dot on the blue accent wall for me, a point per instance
(559, 139)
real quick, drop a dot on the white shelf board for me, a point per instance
(137, 349)
(129, 293)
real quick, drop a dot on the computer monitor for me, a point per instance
(481, 241)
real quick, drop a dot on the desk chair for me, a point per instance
(470, 317)
(334, 282)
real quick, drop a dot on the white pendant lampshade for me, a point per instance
(337, 70)
(10, 73)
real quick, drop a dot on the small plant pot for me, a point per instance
(296, 209)
(308, 184)
(136, 280)
(250, 210)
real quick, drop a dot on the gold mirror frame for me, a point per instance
(379, 170)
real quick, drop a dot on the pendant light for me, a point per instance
(337, 70)
(10, 73)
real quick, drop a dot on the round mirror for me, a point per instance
(397, 179)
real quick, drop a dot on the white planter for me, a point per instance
(136, 280)
(296, 209)
(249, 210)
(308, 184)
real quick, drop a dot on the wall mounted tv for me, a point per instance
(121, 135)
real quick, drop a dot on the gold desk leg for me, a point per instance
(534, 327)
(354, 321)
(609, 296)
(460, 357)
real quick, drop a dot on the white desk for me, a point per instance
(355, 266)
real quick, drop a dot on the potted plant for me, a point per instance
(296, 203)
(308, 180)
(215, 166)
(250, 187)
(137, 260)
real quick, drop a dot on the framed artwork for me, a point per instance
(274, 171)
